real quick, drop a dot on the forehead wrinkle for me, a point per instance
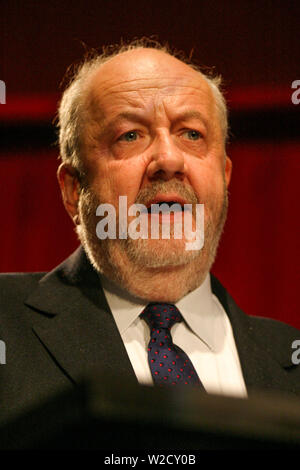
(171, 89)
(135, 92)
(161, 77)
(137, 98)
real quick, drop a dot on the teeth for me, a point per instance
(162, 205)
(167, 202)
(170, 203)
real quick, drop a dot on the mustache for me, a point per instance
(165, 187)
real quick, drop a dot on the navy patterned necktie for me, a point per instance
(168, 363)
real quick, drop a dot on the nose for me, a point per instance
(167, 160)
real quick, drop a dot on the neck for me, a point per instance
(159, 284)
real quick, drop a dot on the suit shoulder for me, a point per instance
(261, 325)
(276, 337)
(270, 326)
(20, 278)
(16, 286)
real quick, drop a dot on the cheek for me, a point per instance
(116, 178)
(207, 181)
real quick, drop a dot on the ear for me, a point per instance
(69, 184)
(228, 170)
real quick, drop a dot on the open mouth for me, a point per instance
(165, 207)
(166, 204)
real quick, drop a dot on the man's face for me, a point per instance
(152, 133)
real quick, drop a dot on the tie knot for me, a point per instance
(161, 315)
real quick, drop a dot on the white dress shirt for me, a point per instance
(205, 335)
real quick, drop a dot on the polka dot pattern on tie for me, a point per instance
(168, 363)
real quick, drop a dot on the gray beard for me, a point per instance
(142, 254)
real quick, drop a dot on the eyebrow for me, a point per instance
(140, 117)
(192, 114)
(127, 115)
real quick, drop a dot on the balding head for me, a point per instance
(129, 62)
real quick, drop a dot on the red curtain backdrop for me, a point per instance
(258, 258)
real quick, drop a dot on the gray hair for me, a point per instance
(72, 104)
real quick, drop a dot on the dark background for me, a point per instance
(254, 45)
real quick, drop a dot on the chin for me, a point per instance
(159, 253)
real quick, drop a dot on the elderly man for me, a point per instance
(143, 124)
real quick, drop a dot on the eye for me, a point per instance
(192, 134)
(129, 136)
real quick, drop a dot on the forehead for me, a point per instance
(134, 76)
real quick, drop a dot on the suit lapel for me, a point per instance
(262, 367)
(75, 325)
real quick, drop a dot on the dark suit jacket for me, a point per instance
(58, 326)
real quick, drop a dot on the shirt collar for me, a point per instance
(125, 307)
(200, 309)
